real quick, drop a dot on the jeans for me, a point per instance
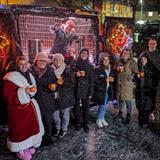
(61, 119)
(102, 108)
(128, 105)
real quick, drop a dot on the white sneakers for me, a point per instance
(101, 123)
(105, 124)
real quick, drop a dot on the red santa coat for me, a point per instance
(25, 124)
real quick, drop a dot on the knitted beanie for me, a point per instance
(41, 57)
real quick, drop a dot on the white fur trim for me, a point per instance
(33, 84)
(18, 79)
(41, 127)
(33, 141)
(22, 96)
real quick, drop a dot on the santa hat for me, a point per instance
(41, 57)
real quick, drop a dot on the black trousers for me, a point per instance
(153, 97)
(47, 122)
(81, 112)
(145, 103)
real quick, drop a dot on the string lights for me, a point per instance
(4, 43)
(120, 38)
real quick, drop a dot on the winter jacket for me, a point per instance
(45, 96)
(101, 84)
(125, 85)
(152, 68)
(146, 86)
(85, 85)
(65, 92)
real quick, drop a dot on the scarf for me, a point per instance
(58, 71)
(108, 70)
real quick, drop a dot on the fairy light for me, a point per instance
(5, 42)
(119, 38)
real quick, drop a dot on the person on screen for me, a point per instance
(64, 36)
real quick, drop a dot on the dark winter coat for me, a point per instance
(152, 68)
(65, 92)
(149, 82)
(45, 97)
(85, 85)
(101, 84)
(146, 87)
(71, 62)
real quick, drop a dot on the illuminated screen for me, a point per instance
(36, 34)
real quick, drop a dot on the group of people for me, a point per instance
(44, 93)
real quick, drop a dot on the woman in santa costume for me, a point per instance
(25, 125)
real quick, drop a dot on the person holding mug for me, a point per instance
(125, 84)
(24, 117)
(65, 98)
(104, 88)
(46, 85)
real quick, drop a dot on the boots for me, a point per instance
(128, 119)
(47, 140)
(120, 115)
(86, 128)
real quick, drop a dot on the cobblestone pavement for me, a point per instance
(115, 142)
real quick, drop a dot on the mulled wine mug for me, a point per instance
(110, 79)
(52, 86)
(120, 69)
(60, 80)
(82, 73)
(33, 89)
(141, 74)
